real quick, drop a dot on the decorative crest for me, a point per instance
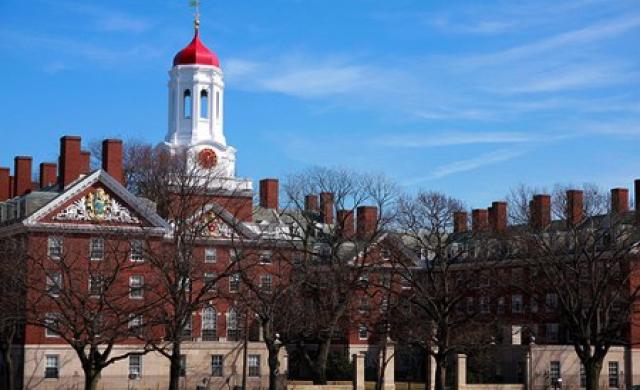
(97, 206)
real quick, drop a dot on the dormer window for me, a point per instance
(186, 104)
(204, 104)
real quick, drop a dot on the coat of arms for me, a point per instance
(98, 204)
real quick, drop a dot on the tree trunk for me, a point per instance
(10, 380)
(274, 364)
(441, 371)
(91, 378)
(592, 371)
(174, 368)
(320, 369)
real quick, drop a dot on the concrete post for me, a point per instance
(461, 371)
(390, 367)
(431, 370)
(283, 359)
(527, 371)
(358, 368)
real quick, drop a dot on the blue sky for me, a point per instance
(470, 98)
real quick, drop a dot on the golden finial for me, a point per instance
(196, 4)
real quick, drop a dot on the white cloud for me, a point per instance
(452, 138)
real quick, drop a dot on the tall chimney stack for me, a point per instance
(636, 198)
(541, 211)
(22, 171)
(479, 220)
(499, 217)
(344, 219)
(575, 205)
(48, 174)
(112, 159)
(326, 207)
(311, 204)
(366, 221)
(460, 223)
(85, 162)
(269, 193)
(619, 200)
(69, 168)
(5, 191)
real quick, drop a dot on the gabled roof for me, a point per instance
(139, 206)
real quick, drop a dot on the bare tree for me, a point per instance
(439, 272)
(85, 303)
(200, 208)
(586, 265)
(331, 262)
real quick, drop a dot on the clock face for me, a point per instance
(207, 158)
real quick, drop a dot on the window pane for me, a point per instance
(216, 365)
(187, 104)
(204, 104)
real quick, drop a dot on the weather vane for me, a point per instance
(196, 4)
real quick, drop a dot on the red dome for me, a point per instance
(196, 53)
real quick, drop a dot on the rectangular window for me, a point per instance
(265, 257)
(209, 324)
(551, 302)
(614, 375)
(96, 249)
(554, 371)
(209, 280)
(54, 284)
(137, 253)
(534, 303)
(96, 285)
(254, 365)
(553, 331)
(216, 365)
(52, 324)
(54, 247)
(516, 303)
(136, 286)
(210, 255)
(484, 305)
(183, 365)
(233, 330)
(385, 254)
(363, 332)
(501, 305)
(188, 329)
(135, 323)
(135, 366)
(234, 282)
(185, 283)
(52, 366)
(266, 283)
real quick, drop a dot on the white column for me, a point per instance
(461, 371)
(358, 365)
(390, 367)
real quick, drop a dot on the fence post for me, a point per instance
(358, 371)
(461, 371)
(390, 367)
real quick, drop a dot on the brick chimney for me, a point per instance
(48, 174)
(460, 224)
(491, 217)
(636, 197)
(345, 222)
(22, 171)
(69, 167)
(619, 200)
(311, 204)
(13, 193)
(575, 205)
(479, 220)
(326, 207)
(269, 193)
(112, 158)
(541, 211)
(5, 191)
(366, 221)
(499, 220)
(85, 162)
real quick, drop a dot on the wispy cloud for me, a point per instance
(108, 19)
(452, 138)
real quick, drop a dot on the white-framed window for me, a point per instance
(217, 363)
(210, 255)
(135, 366)
(554, 371)
(533, 303)
(54, 247)
(265, 257)
(516, 303)
(363, 332)
(484, 305)
(52, 324)
(266, 283)
(96, 285)
(501, 305)
(254, 365)
(209, 280)
(137, 252)
(184, 283)
(614, 375)
(135, 323)
(186, 104)
(96, 248)
(363, 278)
(136, 286)
(209, 324)
(234, 282)
(52, 366)
(551, 302)
(552, 332)
(385, 254)
(54, 284)
(233, 330)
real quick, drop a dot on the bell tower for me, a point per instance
(196, 107)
